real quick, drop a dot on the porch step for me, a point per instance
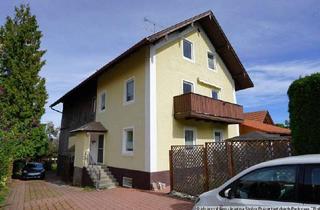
(106, 181)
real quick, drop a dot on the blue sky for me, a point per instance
(276, 40)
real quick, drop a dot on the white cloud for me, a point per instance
(273, 80)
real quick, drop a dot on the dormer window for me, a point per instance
(187, 49)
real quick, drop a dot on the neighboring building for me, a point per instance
(261, 121)
(175, 87)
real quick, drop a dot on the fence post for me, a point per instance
(171, 169)
(206, 172)
(230, 158)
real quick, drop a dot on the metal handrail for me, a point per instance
(96, 171)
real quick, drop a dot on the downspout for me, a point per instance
(55, 110)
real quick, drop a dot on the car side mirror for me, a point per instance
(227, 193)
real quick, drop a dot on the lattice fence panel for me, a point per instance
(249, 153)
(195, 169)
(217, 163)
(188, 169)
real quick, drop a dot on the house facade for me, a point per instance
(175, 87)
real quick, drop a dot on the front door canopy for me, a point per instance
(94, 127)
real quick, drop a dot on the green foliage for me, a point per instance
(23, 94)
(53, 140)
(304, 104)
(3, 194)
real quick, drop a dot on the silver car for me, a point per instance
(287, 181)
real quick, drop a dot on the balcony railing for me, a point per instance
(194, 106)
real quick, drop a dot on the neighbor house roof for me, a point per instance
(258, 135)
(90, 127)
(265, 127)
(260, 116)
(213, 30)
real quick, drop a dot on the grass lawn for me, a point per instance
(3, 195)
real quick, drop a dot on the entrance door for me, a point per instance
(100, 149)
(93, 149)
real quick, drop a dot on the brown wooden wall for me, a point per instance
(77, 111)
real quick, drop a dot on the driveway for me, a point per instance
(39, 194)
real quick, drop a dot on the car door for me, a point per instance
(270, 186)
(311, 185)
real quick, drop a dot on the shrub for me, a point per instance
(304, 110)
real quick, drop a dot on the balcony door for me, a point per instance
(187, 87)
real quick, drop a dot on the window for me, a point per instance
(187, 49)
(187, 87)
(129, 87)
(102, 101)
(312, 184)
(128, 141)
(272, 183)
(211, 64)
(218, 136)
(189, 137)
(215, 94)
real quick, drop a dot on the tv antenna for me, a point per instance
(153, 23)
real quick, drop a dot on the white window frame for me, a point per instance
(192, 60)
(105, 101)
(214, 61)
(125, 102)
(124, 141)
(214, 136)
(187, 81)
(194, 135)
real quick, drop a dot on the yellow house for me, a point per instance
(175, 87)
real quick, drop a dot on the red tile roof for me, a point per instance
(260, 116)
(265, 127)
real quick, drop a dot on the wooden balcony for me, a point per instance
(194, 106)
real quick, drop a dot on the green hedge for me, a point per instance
(5, 161)
(304, 110)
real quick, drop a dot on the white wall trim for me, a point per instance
(151, 112)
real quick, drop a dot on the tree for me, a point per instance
(53, 139)
(304, 114)
(286, 124)
(23, 94)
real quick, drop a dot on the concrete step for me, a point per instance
(106, 181)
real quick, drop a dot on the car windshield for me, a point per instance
(34, 165)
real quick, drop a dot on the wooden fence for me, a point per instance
(196, 169)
